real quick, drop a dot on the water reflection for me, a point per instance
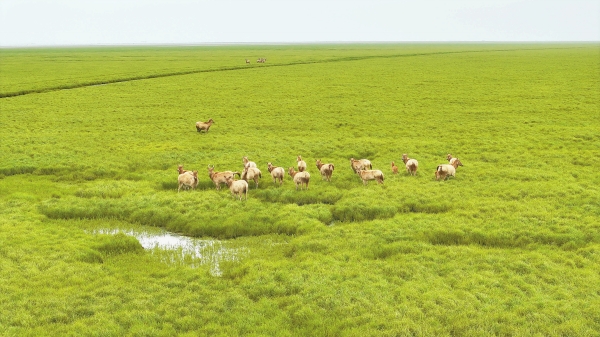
(182, 250)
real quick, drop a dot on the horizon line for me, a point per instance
(207, 44)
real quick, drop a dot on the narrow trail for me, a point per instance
(245, 67)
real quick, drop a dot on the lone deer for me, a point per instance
(204, 126)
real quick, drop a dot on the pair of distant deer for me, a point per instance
(260, 60)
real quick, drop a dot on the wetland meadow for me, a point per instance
(91, 138)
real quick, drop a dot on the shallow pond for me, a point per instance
(178, 249)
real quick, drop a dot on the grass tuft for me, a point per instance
(353, 211)
(91, 256)
(116, 244)
(327, 196)
(10, 171)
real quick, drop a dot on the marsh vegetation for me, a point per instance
(509, 246)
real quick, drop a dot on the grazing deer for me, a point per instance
(367, 175)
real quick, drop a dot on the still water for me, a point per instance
(181, 250)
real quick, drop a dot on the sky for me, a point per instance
(138, 22)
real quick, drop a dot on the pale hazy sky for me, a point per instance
(102, 22)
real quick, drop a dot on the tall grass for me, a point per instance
(510, 246)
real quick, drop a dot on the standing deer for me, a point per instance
(325, 169)
(394, 168)
(411, 164)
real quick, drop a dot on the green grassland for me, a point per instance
(91, 138)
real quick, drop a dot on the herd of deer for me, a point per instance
(301, 178)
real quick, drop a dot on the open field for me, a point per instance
(510, 246)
